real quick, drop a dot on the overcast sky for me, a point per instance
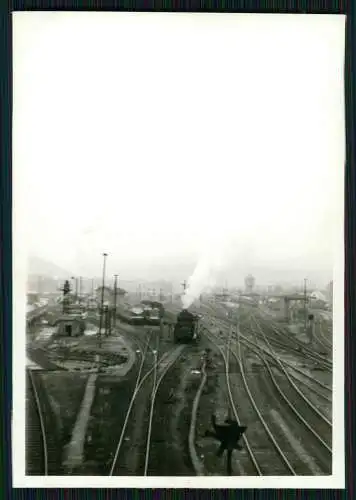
(165, 138)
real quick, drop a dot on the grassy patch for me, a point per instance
(65, 393)
(106, 421)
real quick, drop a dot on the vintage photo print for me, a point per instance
(178, 212)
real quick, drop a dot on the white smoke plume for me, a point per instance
(214, 257)
(227, 230)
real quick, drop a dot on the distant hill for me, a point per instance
(42, 267)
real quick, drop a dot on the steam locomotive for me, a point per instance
(186, 328)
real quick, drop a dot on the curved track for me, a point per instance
(308, 412)
(164, 362)
(286, 466)
(36, 436)
(253, 459)
(301, 401)
(157, 379)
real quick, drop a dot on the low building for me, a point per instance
(32, 298)
(70, 325)
(318, 300)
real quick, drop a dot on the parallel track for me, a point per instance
(232, 404)
(279, 337)
(263, 354)
(157, 379)
(321, 420)
(141, 379)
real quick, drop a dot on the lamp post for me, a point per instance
(102, 298)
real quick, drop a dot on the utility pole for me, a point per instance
(80, 289)
(65, 290)
(229, 416)
(115, 297)
(107, 321)
(74, 287)
(102, 299)
(184, 285)
(305, 304)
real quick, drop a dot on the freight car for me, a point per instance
(186, 328)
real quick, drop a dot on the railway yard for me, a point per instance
(140, 404)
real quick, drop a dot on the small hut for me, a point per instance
(70, 325)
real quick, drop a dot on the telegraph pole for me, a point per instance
(115, 297)
(184, 285)
(80, 289)
(102, 299)
(107, 320)
(305, 304)
(229, 416)
(74, 285)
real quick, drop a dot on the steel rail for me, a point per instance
(156, 384)
(284, 397)
(262, 420)
(41, 419)
(139, 384)
(233, 407)
(309, 403)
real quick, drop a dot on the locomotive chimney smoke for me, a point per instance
(196, 282)
(204, 274)
(220, 248)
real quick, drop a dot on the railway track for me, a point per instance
(285, 343)
(43, 441)
(157, 380)
(324, 388)
(263, 436)
(277, 381)
(308, 414)
(36, 438)
(286, 348)
(288, 341)
(282, 339)
(297, 374)
(159, 369)
(253, 467)
(322, 337)
(287, 467)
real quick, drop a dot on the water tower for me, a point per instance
(249, 283)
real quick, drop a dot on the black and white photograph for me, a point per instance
(178, 215)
